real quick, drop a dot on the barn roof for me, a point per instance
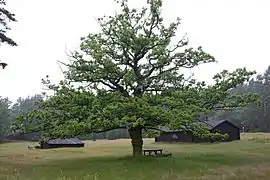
(214, 123)
(210, 124)
(65, 141)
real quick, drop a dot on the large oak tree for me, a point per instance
(136, 78)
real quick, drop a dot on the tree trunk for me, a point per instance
(136, 140)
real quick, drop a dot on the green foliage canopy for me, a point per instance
(133, 70)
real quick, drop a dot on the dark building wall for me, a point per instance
(224, 128)
(173, 137)
(44, 145)
(24, 137)
(228, 128)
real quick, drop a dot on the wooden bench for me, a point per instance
(157, 152)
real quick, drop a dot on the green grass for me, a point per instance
(111, 160)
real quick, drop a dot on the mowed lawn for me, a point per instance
(111, 160)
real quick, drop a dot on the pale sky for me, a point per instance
(236, 32)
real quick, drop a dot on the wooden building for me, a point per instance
(60, 143)
(223, 127)
(34, 137)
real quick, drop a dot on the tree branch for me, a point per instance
(105, 130)
(153, 128)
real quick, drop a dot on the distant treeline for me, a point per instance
(256, 117)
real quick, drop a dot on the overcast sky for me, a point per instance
(236, 32)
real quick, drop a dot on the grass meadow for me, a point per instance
(248, 159)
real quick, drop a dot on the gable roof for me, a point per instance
(65, 141)
(210, 124)
(215, 123)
